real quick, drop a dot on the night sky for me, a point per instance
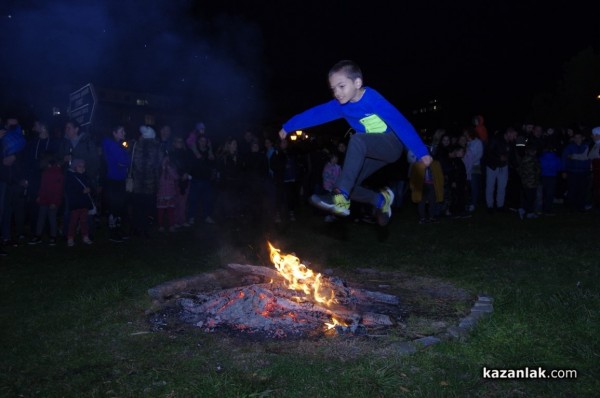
(271, 58)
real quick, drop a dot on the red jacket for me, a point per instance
(52, 186)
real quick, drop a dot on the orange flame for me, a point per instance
(299, 277)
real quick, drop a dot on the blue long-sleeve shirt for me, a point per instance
(371, 114)
(118, 159)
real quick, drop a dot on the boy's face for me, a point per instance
(344, 89)
(80, 168)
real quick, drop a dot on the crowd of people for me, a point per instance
(143, 183)
(527, 170)
(61, 188)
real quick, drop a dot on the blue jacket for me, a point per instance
(550, 163)
(371, 114)
(117, 158)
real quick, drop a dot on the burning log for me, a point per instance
(341, 291)
(256, 270)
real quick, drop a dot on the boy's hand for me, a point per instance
(427, 159)
(282, 134)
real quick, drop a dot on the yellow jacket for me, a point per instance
(417, 175)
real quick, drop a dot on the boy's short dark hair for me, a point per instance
(350, 68)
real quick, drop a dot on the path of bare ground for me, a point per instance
(427, 307)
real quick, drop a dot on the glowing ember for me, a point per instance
(301, 278)
(334, 323)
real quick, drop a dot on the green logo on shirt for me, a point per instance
(374, 124)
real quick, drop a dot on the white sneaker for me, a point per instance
(70, 243)
(87, 241)
(209, 220)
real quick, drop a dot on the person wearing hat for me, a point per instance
(145, 172)
(192, 138)
(594, 156)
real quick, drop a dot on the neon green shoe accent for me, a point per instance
(384, 213)
(341, 205)
(336, 203)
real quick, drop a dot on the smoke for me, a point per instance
(213, 65)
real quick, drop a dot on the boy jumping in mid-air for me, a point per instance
(382, 132)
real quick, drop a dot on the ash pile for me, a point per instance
(256, 300)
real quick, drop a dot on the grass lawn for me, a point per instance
(74, 321)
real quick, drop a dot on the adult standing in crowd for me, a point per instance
(472, 161)
(576, 165)
(13, 181)
(36, 153)
(499, 151)
(202, 171)
(145, 171)
(117, 162)
(594, 156)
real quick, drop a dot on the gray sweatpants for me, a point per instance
(366, 154)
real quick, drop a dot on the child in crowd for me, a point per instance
(427, 187)
(166, 195)
(77, 188)
(49, 198)
(529, 170)
(331, 172)
(382, 132)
